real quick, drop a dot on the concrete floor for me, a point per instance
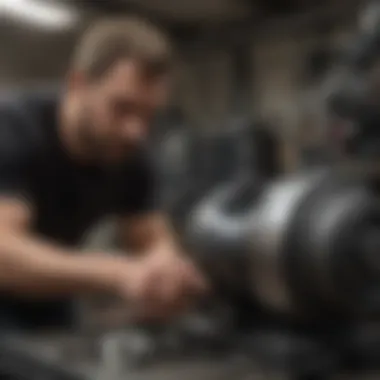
(81, 354)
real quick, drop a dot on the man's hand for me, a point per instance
(164, 279)
(161, 285)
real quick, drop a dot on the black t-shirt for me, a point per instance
(67, 198)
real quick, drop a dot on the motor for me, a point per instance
(315, 243)
(308, 244)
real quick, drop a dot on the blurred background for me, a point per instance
(239, 58)
(244, 65)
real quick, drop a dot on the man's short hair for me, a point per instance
(109, 41)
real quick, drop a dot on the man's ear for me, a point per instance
(76, 80)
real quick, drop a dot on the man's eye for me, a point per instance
(122, 108)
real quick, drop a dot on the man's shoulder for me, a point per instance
(23, 114)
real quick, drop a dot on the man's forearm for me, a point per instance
(144, 234)
(32, 267)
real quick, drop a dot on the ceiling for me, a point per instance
(183, 17)
(172, 11)
(190, 11)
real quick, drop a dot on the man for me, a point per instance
(66, 161)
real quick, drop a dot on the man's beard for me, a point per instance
(97, 151)
(87, 142)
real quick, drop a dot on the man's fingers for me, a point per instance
(195, 280)
(160, 310)
(171, 288)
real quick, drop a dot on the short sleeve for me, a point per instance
(15, 159)
(140, 188)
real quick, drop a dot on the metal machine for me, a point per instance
(310, 246)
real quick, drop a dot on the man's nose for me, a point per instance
(135, 130)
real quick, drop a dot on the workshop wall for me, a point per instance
(206, 89)
(28, 56)
(279, 91)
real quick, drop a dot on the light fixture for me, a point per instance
(38, 14)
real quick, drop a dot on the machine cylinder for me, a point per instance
(310, 242)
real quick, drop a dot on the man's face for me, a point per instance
(116, 111)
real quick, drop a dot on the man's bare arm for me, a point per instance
(152, 236)
(146, 232)
(32, 267)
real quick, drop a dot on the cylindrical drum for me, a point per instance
(313, 245)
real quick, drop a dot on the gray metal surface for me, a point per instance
(76, 352)
(326, 220)
(96, 358)
(273, 216)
